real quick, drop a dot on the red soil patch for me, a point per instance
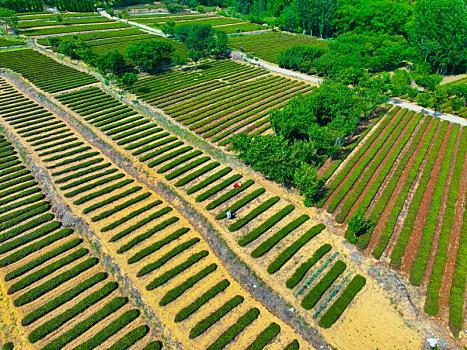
(413, 244)
(395, 194)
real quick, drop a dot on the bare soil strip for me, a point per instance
(411, 249)
(453, 246)
(439, 223)
(397, 190)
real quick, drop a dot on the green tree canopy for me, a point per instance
(8, 19)
(202, 41)
(439, 32)
(150, 55)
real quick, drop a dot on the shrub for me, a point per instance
(294, 345)
(78, 166)
(94, 185)
(113, 328)
(290, 251)
(54, 282)
(266, 225)
(187, 311)
(339, 306)
(16, 231)
(157, 245)
(140, 238)
(74, 160)
(34, 247)
(265, 337)
(102, 192)
(131, 215)
(131, 338)
(174, 293)
(141, 223)
(232, 193)
(86, 324)
(302, 270)
(168, 156)
(219, 187)
(83, 180)
(214, 317)
(209, 180)
(167, 257)
(59, 320)
(63, 298)
(155, 345)
(178, 161)
(42, 259)
(229, 335)
(165, 277)
(253, 214)
(194, 175)
(186, 168)
(267, 245)
(241, 203)
(322, 286)
(15, 218)
(120, 207)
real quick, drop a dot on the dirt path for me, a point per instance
(439, 223)
(453, 246)
(337, 189)
(375, 175)
(413, 244)
(397, 190)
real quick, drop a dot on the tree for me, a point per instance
(111, 62)
(202, 41)
(8, 19)
(439, 31)
(317, 16)
(128, 79)
(169, 27)
(308, 182)
(358, 225)
(150, 55)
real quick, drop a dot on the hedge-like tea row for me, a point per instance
(322, 286)
(290, 251)
(109, 200)
(187, 311)
(142, 237)
(387, 138)
(399, 248)
(434, 283)
(217, 188)
(272, 241)
(174, 293)
(341, 303)
(196, 174)
(265, 337)
(241, 203)
(165, 277)
(130, 216)
(229, 195)
(122, 206)
(419, 264)
(131, 338)
(209, 180)
(214, 317)
(302, 270)
(253, 214)
(234, 330)
(63, 298)
(158, 245)
(59, 320)
(266, 225)
(167, 257)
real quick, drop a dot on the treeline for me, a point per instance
(39, 5)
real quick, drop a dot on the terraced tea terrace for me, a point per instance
(175, 267)
(52, 77)
(227, 24)
(409, 179)
(268, 46)
(64, 296)
(220, 99)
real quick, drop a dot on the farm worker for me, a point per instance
(230, 215)
(237, 185)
